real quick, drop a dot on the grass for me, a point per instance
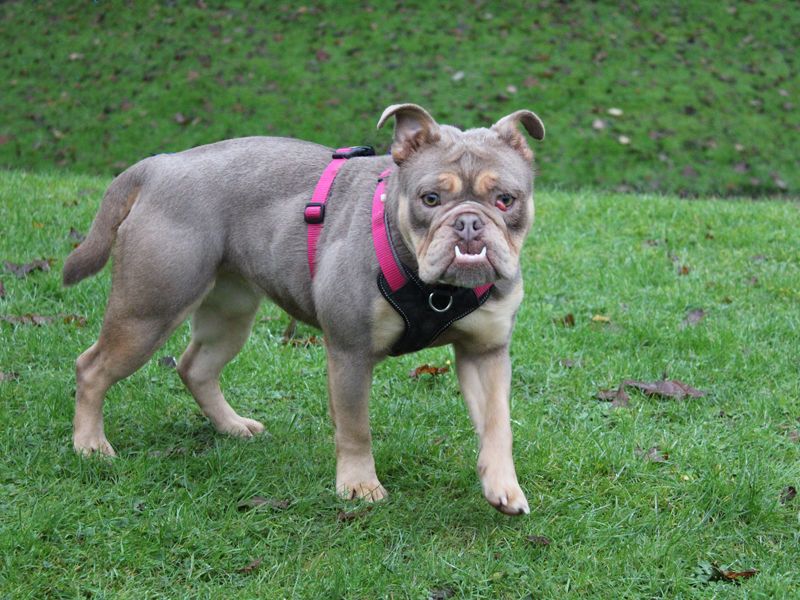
(162, 520)
(707, 90)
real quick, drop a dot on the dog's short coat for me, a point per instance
(209, 231)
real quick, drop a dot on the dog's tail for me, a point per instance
(88, 258)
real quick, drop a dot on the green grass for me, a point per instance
(708, 90)
(162, 519)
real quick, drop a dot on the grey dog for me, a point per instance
(210, 231)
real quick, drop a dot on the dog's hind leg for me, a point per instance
(220, 327)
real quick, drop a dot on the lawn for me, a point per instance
(688, 97)
(175, 514)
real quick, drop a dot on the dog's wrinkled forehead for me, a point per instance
(463, 160)
(422, 146)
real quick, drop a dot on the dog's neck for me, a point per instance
(403, 253)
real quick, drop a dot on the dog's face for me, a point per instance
(465, 200)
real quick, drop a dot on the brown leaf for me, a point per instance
(568, 363)
(250, 567)
(720, 574)
(76, 320)
(22, 270)
(257, 501)
(76, 235)
(538, 540)
(305, 342)
(794, 436)
(693, 317)
(788, 494)
(601, 319)
(10, 376)
(28, 319)
(322, 56)
(618, 398)
(2, 289)
(167, 361)
(684, 270)
(666, 388)
(567, 320)
(181, 119)
(351, 515)
(427, 370)
(652, 455)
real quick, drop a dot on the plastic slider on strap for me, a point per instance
(354, 151)
(314, 213)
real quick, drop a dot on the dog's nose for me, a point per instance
(468, 226)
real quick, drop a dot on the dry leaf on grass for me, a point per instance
(567, 320)
(538, 540)
(652, 455)
(305, 342)
(720, 574)
(22, 270)
(666, 388)
(351, 515)
(2, 289)
(10, 376)
(693, 317)
(427, 370)
(618, 398)
(788, 494)
(250, 567)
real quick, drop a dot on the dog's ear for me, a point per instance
(507, 129)
(413, 128)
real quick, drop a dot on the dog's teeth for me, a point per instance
(483, 251)
(458, 251)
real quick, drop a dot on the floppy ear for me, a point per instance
(507, 129)
(413, 128)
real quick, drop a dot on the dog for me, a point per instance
(210, 231)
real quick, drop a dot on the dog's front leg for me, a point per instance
(485, 380)
(349, 380)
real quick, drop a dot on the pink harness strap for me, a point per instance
(315, 210)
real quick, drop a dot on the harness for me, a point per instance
(426, 310)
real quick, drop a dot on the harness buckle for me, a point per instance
(314, 213)
(354, 151)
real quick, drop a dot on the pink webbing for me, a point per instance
(380, 239)
(320, 196)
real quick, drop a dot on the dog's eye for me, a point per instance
(430, 199)
(504, 201)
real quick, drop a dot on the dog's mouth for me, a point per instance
(467, 253)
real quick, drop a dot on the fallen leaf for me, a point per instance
(441, 593)
(567, 320)
(322, 56)
(684, 270)
(511, 89)
(568, 363)
(615, 112)
(76, 320)
(652, 455)
(167, 361)
(538, 540)
(618, 398)
(250, 567)
(10, 376)
(76, 235)
(458, 76)
(693, 317)
(427, 369)
(351, 515)
(29, 319)
(624, 140)
(22, 270)
(794, 436)
(601, 319)
(305, 342)
(181, 119)
(257, 501)
(2, 289)
(598, 124)
(666, 388)
(720, 574)
(788, 494)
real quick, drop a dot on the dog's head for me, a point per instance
(465, 200)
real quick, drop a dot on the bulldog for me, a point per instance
(420, 248)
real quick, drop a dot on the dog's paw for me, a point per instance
(87, 445)
(506, 496)
(370, 491)
(240, 427)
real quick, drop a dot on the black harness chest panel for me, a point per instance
(426, 310)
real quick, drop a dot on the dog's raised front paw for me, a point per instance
(240, 427)
(506, 496)
(86, 445)
(371, 490)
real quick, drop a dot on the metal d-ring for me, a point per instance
(434, 307)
